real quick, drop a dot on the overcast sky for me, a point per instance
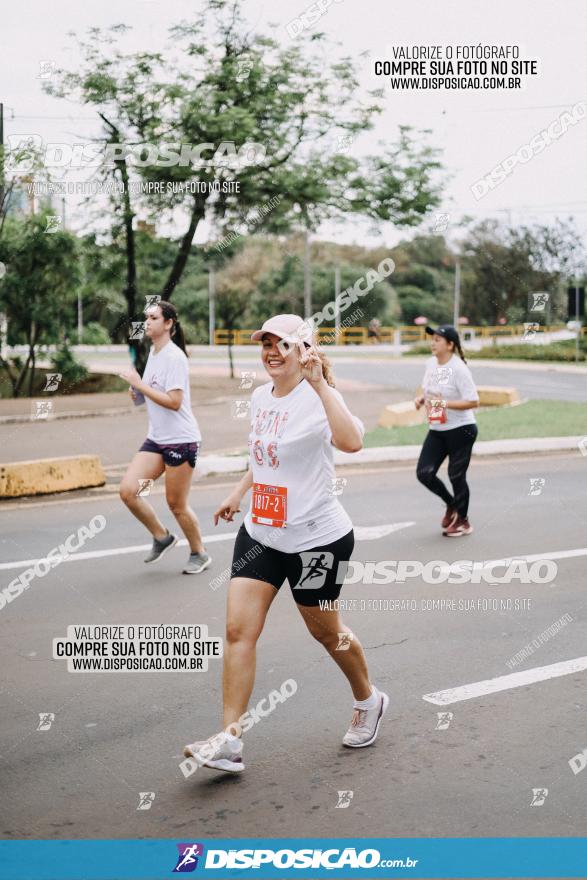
(476, 130)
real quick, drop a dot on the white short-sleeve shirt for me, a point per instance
(168, 370)
(450, 381)
(290, 446)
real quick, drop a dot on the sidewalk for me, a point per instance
(226, 464)
(110, 426)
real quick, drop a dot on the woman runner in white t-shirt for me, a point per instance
(450, 396)
(296, 529)
(173, 439)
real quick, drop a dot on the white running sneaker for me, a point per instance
(365, 724)
(218, 752)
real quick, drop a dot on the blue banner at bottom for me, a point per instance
(274, 858)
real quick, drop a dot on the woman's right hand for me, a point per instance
(132, 393)
(419, 401)
(228, 508)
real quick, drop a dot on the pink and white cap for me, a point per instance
(289, 327)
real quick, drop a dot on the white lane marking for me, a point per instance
(373, 533)
(362, 533)
(505, 682)
(115, 551)
(534, 557)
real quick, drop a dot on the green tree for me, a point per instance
(42, 274)
(219, 82)
(505, 264)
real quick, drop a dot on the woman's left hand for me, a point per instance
(132, 377)
(311, 365)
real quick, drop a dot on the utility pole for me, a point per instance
(3, 321)
(1, 155)
(457, 300)
(577, 319)
(80, 302)
(307, 277)
(337, 311)
(212, 305)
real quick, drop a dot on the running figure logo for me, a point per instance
(53, 223)
(444, 719)
(146, 799)
(137, 330)
(46, 719)
(531, 328)
(247, 377)
(536, 485)
(337, 485)
(42, 409)
(344, 641)
(52, 381)
(344, 799)
(443, 375)
(240, 409)
(441, 223)
(188, 857)
(539, 795)
(537, 302)
(314, 571)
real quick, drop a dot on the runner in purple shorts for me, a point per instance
(173, 440)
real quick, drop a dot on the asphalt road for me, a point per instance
(533, 380)
(531, 383)
(368, 384)
(115, 735)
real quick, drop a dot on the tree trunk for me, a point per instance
(230, 360)
(137, 347)
(6, 366)
(183, 253)
(23, 372)
(32, 360)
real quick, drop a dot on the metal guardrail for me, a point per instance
(403, 334)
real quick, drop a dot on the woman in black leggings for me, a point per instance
(450, 396)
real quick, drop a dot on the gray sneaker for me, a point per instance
(365, 724)
(160, 548)
(197, 563)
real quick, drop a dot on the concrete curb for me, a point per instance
(52, 475)
(22, 419)
(47, 475)
(227, 464)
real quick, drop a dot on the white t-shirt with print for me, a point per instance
(168, 370)
(290, 446)
(450, 381)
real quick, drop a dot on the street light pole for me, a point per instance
(1, 155)
(307, 277)
(577, 321)
(337, 309)
(3, 321)
(212, 305)
(457, 299)
(80, 317)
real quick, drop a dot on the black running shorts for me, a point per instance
(313, 575)
(173, 454)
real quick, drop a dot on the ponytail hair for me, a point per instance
(459, 348)
(169, 312)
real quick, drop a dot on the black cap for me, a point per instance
(445, 330)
